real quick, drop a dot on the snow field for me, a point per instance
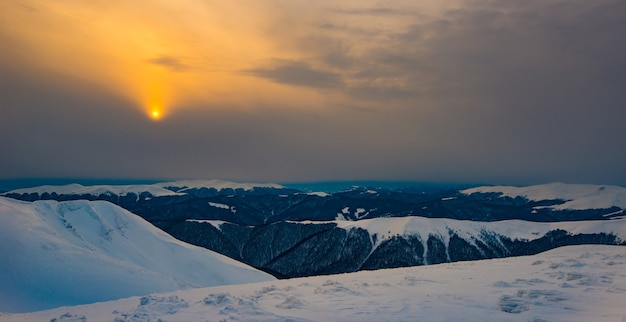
(575, 283)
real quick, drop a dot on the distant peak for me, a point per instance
(577, 196)
(215, 184)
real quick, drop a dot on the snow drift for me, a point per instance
(76, 252)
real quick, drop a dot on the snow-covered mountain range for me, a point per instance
(219, 185)
(257, 204)
(565, 196)
(67, 253)
(569, 196)
(75, 189)
(575, 283)
(171, 188)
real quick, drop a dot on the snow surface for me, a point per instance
(318, 194)
(215, 223)
(577, 196)
(77, 189)
(74, 252)
(358, 213)
(575, 283)
(219, 205)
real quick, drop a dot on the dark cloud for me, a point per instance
(382, 93)
(28, 8)
(524, 91)
(374, 11)
(486, 50)
(297, 74)
(169, 62)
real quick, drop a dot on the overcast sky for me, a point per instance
(503, 92)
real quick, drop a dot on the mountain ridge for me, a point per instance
(304, 248)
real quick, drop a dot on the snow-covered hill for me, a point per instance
(74, 252)
(575, 196)
(576, 283)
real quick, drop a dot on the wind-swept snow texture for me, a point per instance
(75, 252)
(575, 283)
(576, 196)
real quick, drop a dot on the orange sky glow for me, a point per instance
(154, 53)
(165, 54)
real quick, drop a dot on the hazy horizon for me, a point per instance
(325, 186)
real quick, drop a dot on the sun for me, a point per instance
(155, 114)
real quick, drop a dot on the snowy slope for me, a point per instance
(577, 196)
(576, 283)
(68, 253)
(97, 190)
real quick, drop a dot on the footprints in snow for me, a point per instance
(570, 273)
(151, 306)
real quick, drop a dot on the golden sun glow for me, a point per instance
(155, 114)
(154, 53)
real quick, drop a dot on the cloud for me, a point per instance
(374, 11)
(169, 62)
(297, 73)
(28, 8)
